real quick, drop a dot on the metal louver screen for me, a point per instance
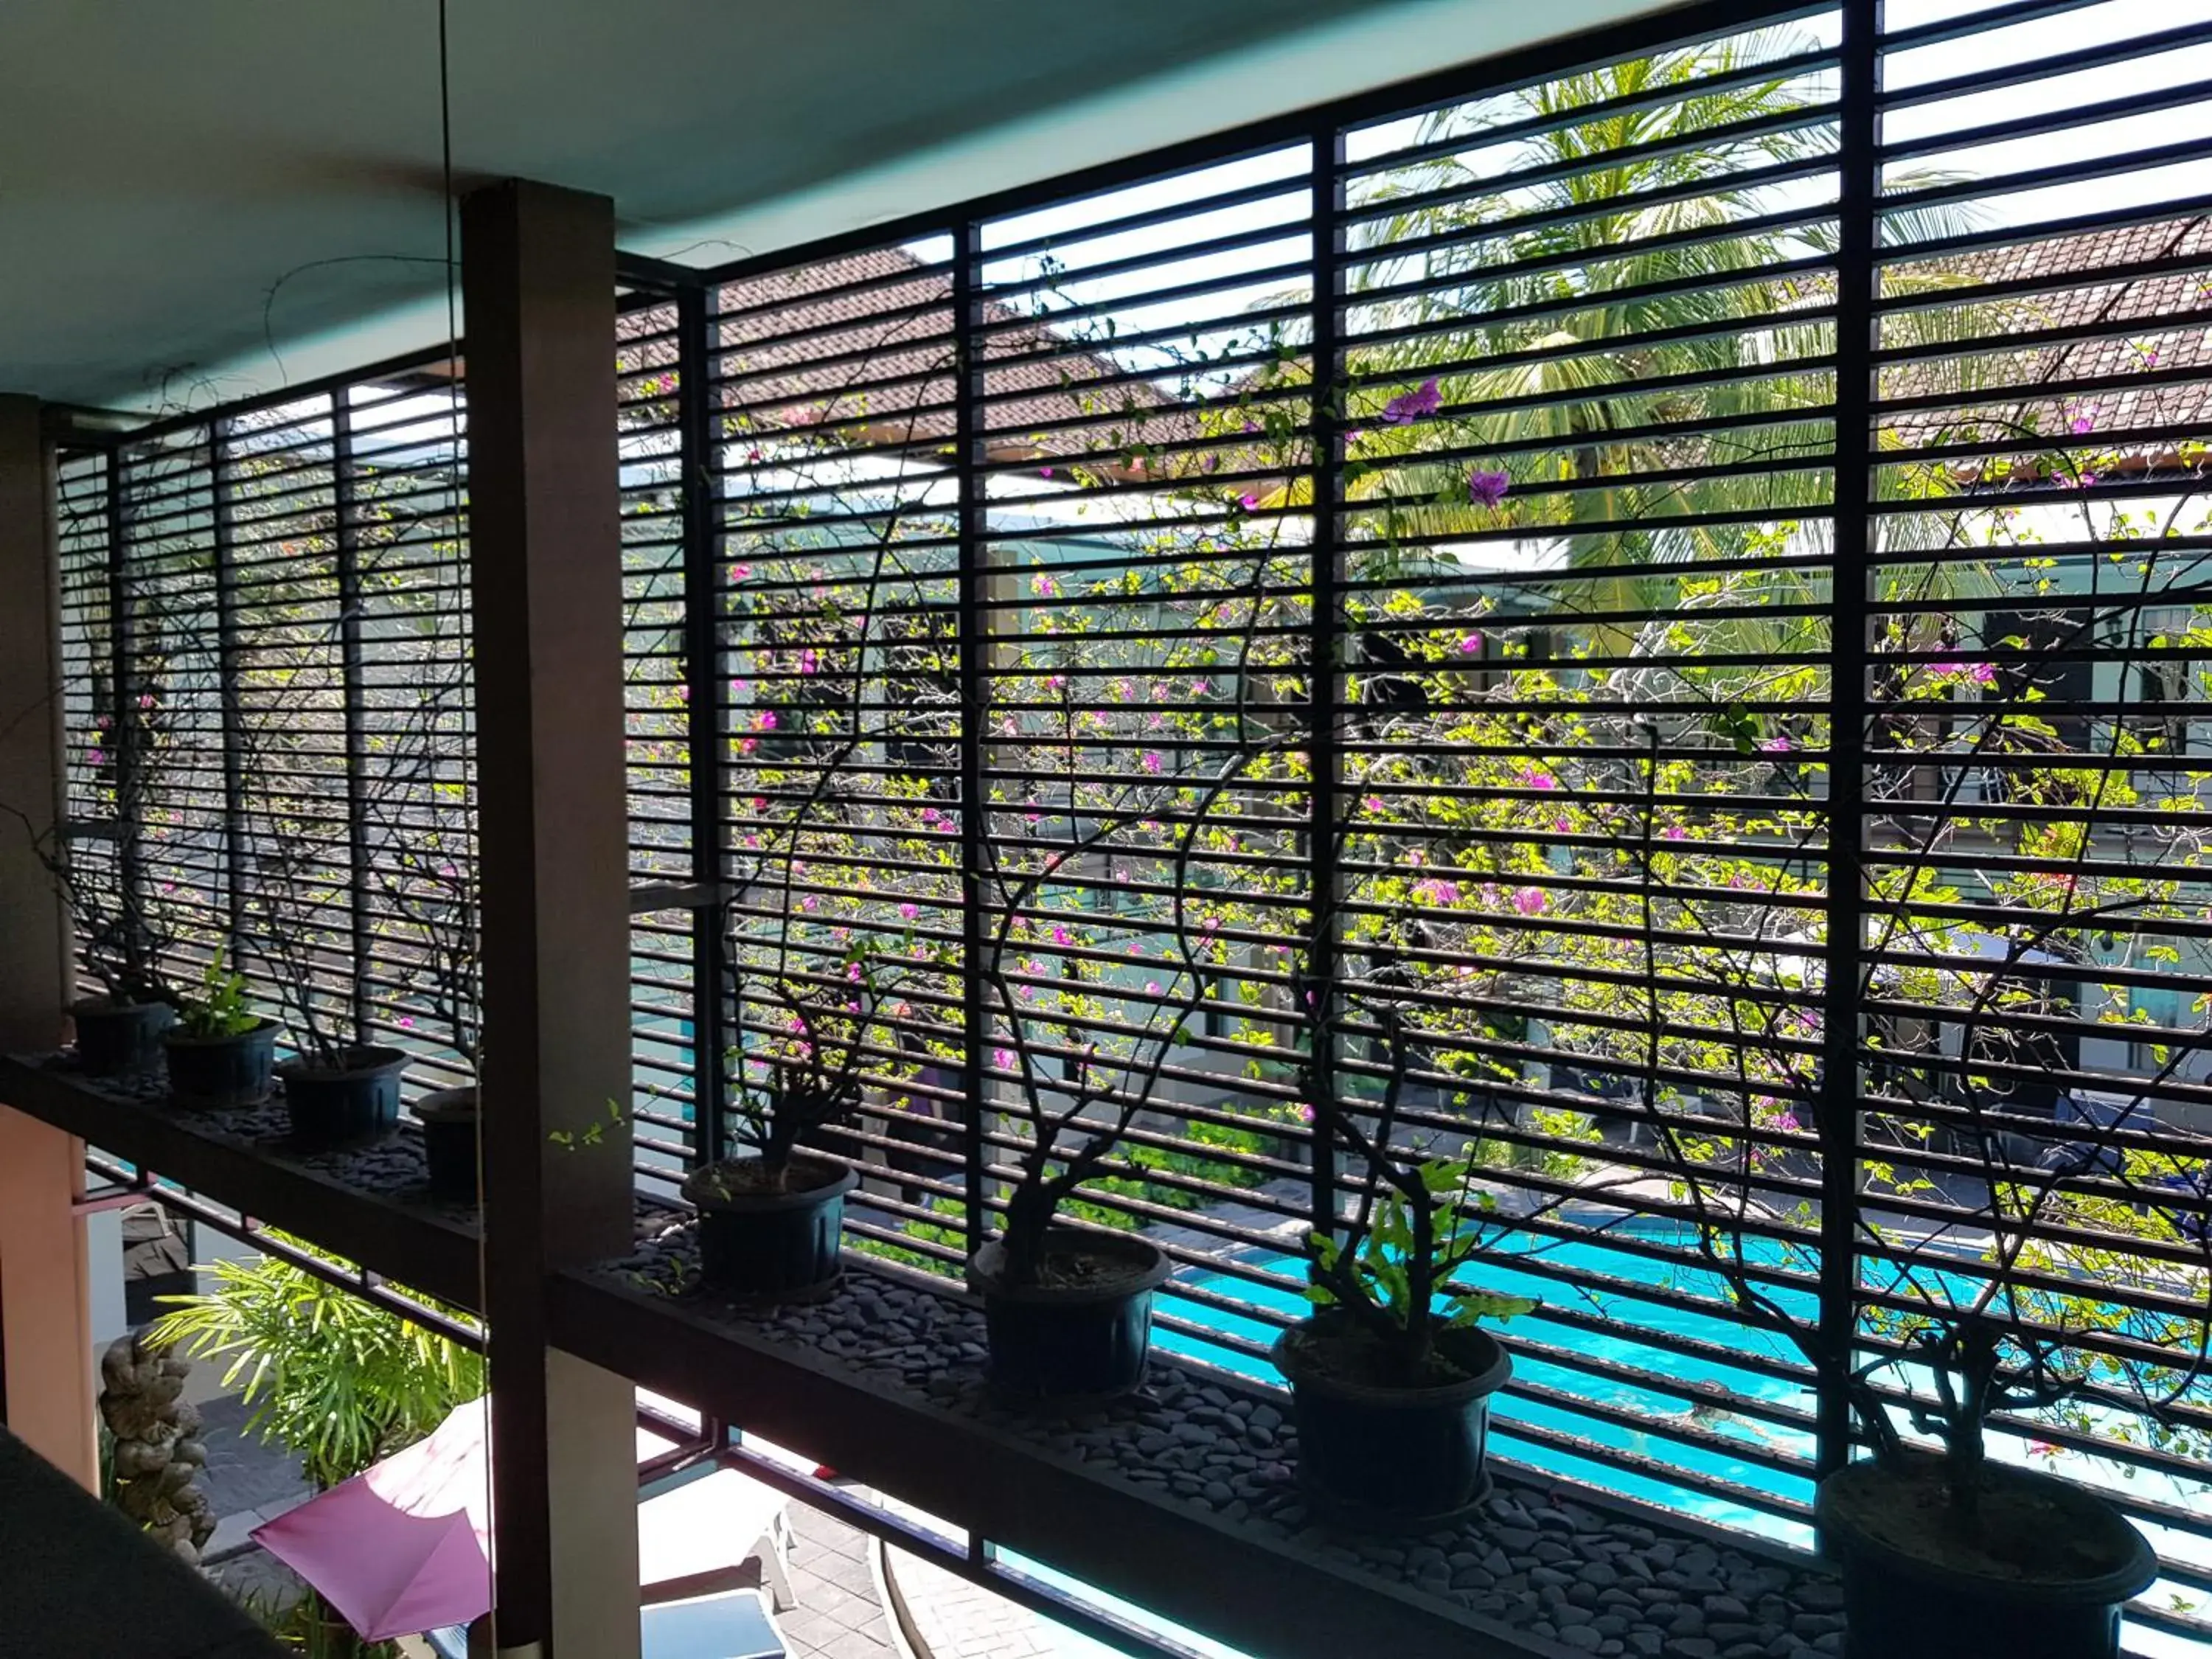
(1530, 683)
(283, 652)
(1653, 596)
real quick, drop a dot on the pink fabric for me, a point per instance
(406, 1547)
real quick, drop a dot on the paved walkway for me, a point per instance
(948, 1616)
(837, 1615)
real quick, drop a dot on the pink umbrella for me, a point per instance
(404, 1547)
(407, 1547)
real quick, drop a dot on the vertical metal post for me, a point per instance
(229, 705)
(125, 732)
(974, 715)
(1849, 666)
(1324, 647)
(545, 605)
(706, 740)
(354, 698)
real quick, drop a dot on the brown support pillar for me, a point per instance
(546, 559)
(46, 1317)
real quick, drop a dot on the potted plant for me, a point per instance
(220, 1052)
(1067, 1309)
(1944, 1551)
(338, 1089)
(431, 886)
(120, 1031)
(771, 1220)
(1391, 1377)
(123, 937)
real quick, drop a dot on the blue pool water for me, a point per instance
(1632, 1317)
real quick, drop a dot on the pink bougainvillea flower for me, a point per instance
(2080, 424)
(1469, 644)
(1003, 1059)
(1151, 761)
(739, 572)
(1488, 488)
(1247, 500)
(1410, 406)
(1043, 585)
(1787, 1120)
(1061, 936)
(1530, 901)
(765, 719)
(1776, 745)
(1673, 832)
(1983, 673)
(1536, 780)
(910, 910)
(1208, 462)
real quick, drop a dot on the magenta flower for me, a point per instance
(909, 911)
(1530, 901)
(1983, 673)
(1488, 488)
(1043, 585)
(1536, 780)
(2080, 424)
(1208, 462)
(739, 572)
(1776, 745)
(1003, 1059)
(1469, 644)
(1410, 406)
(1151, 761)
(1061, 936)
(1673, 832)
(1787, 1120)
(1247, 500)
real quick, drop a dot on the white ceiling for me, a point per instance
(206, 197)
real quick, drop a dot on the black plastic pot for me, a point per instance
(121, 1040)
(448, 1117)
(353, 1097)
(1395, 1458)
(1900, 1603)
(208, 1074)
(771, 1246)
(1070, 1344)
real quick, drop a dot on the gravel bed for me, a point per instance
(393, 1167)
(1585, 1579)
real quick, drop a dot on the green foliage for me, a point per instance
(339, 1381)
(220, 1010)
(1382, 1266)
(306, 1625)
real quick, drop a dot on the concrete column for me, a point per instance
(546, 572)
(46, 1317)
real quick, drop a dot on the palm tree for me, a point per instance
(1617, 285)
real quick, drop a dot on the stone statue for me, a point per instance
(157, 1452)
